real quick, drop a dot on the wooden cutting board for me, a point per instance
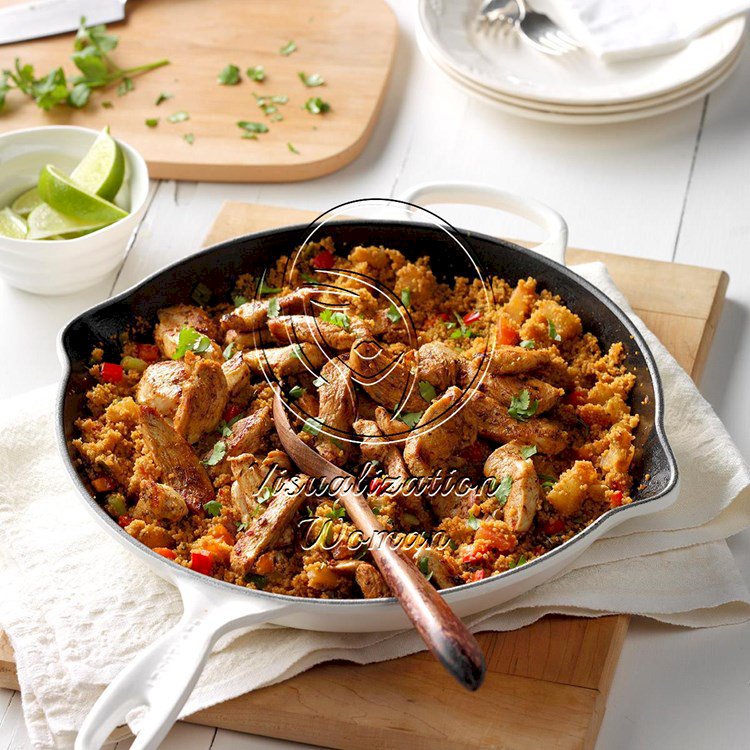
(351, 44)
(547, 683)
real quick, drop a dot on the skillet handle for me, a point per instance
(162, 677)
(491, 197)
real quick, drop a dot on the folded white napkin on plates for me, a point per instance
(78, 607)
(627, 29)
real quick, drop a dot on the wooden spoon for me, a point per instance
(438, 625)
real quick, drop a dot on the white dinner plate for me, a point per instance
(551, 114)
(506, 65)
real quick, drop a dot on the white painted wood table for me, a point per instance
(674, 188)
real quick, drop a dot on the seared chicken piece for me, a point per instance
(173, 319)
(523, 498)
(291, 329)
(512, 360)
(287, 360)
(249, 340)
(159, 501)
(388, 425)
(445, 572)
(504, 387)
(439, 365)
(387, 378)
(454, 429)
(179, 466)
(160, 386)
(237, 373)
(371, 582)
(204, 398)
(252, 316)
(248, 474)
(495, 423)
(337, 408)
(264, 531)
(248, 433)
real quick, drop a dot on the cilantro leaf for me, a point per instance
(297, 391)
(265, 289)
(297, 351)
(312, 80)
(527, 451)
(191, 340)
(463, 331)
(180, 116)
(502, 491)
(126, 86)
(424, 567)
(212, 507)
(522, 408)
(528, 344)
(410, 419)
(288, 48)
(336, 512)
(273, 308)
(393, 314)
(252, 128)
(553, 334)
(472, 522)
(229, 76)
(336, 317)
(548, 481)
(312, 426)
(217, 453)
(228, 353)
(152, 122)
(427, 391)
(291, 147)
(406, 297)
(189, 138)
(256, 73)
(163, 97)
(316, 106)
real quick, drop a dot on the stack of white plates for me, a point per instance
(578, 88)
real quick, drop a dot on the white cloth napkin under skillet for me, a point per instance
(78, 607)
(628, 29)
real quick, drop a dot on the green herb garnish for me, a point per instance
(257, 580)
(291, 147)
(472, 522)
(522, 408)
(126, 86)
(229, 76)
(288, 48)
(406, 297)
(553, 334)
(427, 391)
(105, 105)
(528, 344)
(256, 73)
(265, 289)
(312, 80)
(393, 314)
(239, 299)
(217, 453)
(297, 351)
(548, 481)
(297, 391)
(336, 317)
(212, 507)
(316, 106)
(463, 331)
(410, 419)
(518, 563)
(265, 495)
(163, 97)
(152, 122)
(201, 294)
(191, 340)
(502, 491)
(180, 116)
(273, 308)
(424, 567)
(336, 512)
(527, 451)
(319, 382)
(312, 426)
(189, 138)
(228, 353)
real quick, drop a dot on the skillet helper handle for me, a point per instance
(491, 197)
(438, 625)
(162, 677)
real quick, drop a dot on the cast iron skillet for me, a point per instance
(164, 675)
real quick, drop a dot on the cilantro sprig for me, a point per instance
(191, 340)
(502, 491)
(336, 317)
(522, 407)
(229, 76)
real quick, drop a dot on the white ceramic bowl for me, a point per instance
(63, 266)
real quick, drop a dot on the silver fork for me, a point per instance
(538, 29)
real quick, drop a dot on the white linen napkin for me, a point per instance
(628, 29)
(78, 607)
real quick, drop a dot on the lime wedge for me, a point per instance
(47, 224)
(102, 170)
(26, 202)
(12, 225)
(68, 198)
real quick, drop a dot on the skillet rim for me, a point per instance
(314, 603)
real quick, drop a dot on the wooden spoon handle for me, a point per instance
(440, 628)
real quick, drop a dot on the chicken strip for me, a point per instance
(248, 433)
(159, 501)
(504, 388)
(496, 424)
(427, 449)
(336, 410)
(513, 360)
(249, 340)
(173, 319)
(204, 398)
(264, 531)
(439, 365)
(179, 466)
(287, 360)
(249, 476)
(388, 425)
(371, 582)
(296, 329)
(252, 316)
(387, 378)
(160, 386)
(237, 374)
(523, 498)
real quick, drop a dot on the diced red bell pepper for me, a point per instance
(376, 485)
(231, 412)
(615, 499)
(324, 260)
(577, 397)
(124, 521)
(103, 484)
(553, 526)
(473, 555)
(478, 575)
(472, 317)
(170, 554)
(111, 373)
(202, 561)
(147, 352)
(507, 334)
